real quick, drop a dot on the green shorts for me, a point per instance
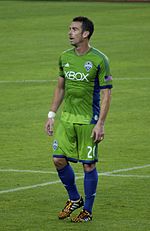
(74, 142)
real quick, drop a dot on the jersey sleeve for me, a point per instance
(105, 77)
(61, 71)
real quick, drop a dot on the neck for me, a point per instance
(83, 49)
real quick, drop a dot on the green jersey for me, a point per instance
(84, 76)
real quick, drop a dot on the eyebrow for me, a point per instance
(74, 28)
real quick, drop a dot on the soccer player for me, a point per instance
(84, 75)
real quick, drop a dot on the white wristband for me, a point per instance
(51, 115)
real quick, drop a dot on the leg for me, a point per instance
(67, 177)
(88, 156)
(90, 185)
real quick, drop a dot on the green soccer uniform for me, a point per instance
(84, 76)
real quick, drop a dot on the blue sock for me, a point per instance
(68, 179)
(90, 185)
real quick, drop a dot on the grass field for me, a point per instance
(33, 34)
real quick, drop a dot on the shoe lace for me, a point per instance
(68, 206)
(83, 214)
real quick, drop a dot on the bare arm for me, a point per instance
(98, 131)
(56, 102)
(58, 94)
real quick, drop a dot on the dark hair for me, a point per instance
(87, 24)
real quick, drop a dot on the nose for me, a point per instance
(69, 32)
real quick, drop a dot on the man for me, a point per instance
(83, 73)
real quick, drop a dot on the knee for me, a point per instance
(60, 163)
(89, 167)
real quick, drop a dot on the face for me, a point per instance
(76, 36)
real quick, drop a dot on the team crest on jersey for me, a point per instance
(55, 145)
(88, 65)
(66, 65)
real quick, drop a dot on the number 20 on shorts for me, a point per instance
(91, 151)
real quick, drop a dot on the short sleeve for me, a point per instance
(105, 77)
(61, 72)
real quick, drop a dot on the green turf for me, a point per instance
(33, 34)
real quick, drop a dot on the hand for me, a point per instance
(98, 133)
(49, 126)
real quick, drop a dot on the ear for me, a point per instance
(86, 34)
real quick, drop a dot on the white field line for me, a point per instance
(29, 81)
(46, 172)
(27, 171)
(31, 171)
(80, 177)
(129, 78)
(127, 169)
(54, 80)
(29, 187)
(136, 176)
